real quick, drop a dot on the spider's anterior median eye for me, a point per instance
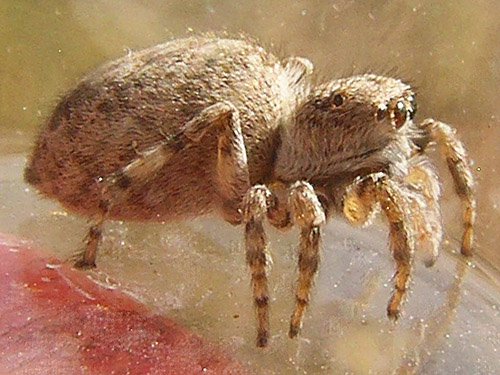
(338, 100)
(399, 114)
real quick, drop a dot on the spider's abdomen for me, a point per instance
(140, 100)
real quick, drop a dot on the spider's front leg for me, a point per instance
(425, 209)
(396, 202)
(309, 215)
(258, 203)
(459, 165)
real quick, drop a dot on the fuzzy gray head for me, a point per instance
(347, 124)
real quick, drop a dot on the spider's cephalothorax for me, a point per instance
(204, 123)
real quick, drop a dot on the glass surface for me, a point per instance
(194, 271)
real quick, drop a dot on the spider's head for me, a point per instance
(360, 107)
(345, 122)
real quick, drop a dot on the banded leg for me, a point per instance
(459, 165)
(309, 216)
(395, 201)
(92, 241)
(115, 185)
(394, 205)
(259, 202)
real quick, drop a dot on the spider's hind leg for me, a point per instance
(115, 186)
(92, 240)
(232, 169)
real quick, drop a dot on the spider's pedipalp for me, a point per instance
(359, 204)
(459, 165)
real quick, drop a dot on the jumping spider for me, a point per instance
(206, 123)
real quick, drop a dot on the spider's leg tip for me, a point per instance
(293, 332)
(466, 248)
(393, 314)
(84, 265)
(262, 340)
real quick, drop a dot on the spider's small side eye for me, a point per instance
(399, 114)
(381, 112)
(413, 106)
(338, 100)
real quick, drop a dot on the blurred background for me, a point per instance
(449, 51)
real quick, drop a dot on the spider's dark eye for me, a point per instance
(381, 112)
(413, 106)
(338, 100)
(399, 114)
